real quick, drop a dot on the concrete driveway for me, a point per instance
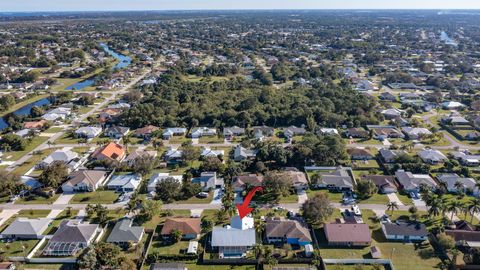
(302, 196)
(392, 197)
(217, 196)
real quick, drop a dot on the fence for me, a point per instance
(386, 263)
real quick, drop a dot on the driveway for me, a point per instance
(302, 196)
(392, 197)
(64, 198)
(54, 213)
(6, 214)
(217, 196)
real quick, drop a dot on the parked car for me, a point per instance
(202, 195)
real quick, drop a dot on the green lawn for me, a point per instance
(211, 140)
(405, 256)
(376, 199)
(292, 198)
(37, 200)
(18, 248)
(34, 160)
(67, 138)
(33, 213)
(54, 130)
(167, 248)
(365, 164)
(15, 155)
(99, 196)
(197, 200)
(335, 197)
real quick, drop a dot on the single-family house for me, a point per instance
(236, 240)
(292, 131)
(124, 233)
(88, 132)
(359, 154)
(116, 132)
(60, 113)
(71, 237)
(335, 178)
(138, 153)
(230, 132)
(412, 182)
(158, 178)
(260, 132)
(7, 266)
(392, 113)
(432, 156)
(466, 159)
(455, 183)
(452, 105)
(390, 156)
(240, 153)
(168, 133)
(189, 227)
(35, 125)
(414, 133)
(357, 133)
(173, 155)
(203, 132)
(241, 182)
(208, 152)
(286, 231)
(208, 180)
(124, 182)
(299, 179)
(84, 181)
(388, 96)
(64, 155)
(384, 183)
(329, 131)
(385, 132)
(112, 152)
(347, 234)
(25, 228)
(145, 132)
(405, 231)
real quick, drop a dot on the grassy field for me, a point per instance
(34, 160)
(15, 155)
(37, 200)
(333, 196)
(99, 196)
(197, 200)
(18, 248)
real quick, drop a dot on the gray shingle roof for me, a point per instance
(25, 226)
(403, 228)
(231, 237)
(123, 231)
(73, 231)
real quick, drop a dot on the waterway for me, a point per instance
(25, 110)
(123, 62)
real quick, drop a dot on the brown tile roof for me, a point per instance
(89, 177)
(347, 232)
(358, 152)
(185, 225)
(112, 150)
(289, 229)
(35, 124)
(460, 235)
(146, 130)
(251, 179)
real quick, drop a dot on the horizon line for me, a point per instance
(246, 9)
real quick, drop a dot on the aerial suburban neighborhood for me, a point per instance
(240, 140)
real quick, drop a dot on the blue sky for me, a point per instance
(92, 5)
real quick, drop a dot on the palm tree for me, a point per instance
(391, 206)
(126, 141)
(453, 208)
(474, 208)
(435, 206)
(257, 249)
